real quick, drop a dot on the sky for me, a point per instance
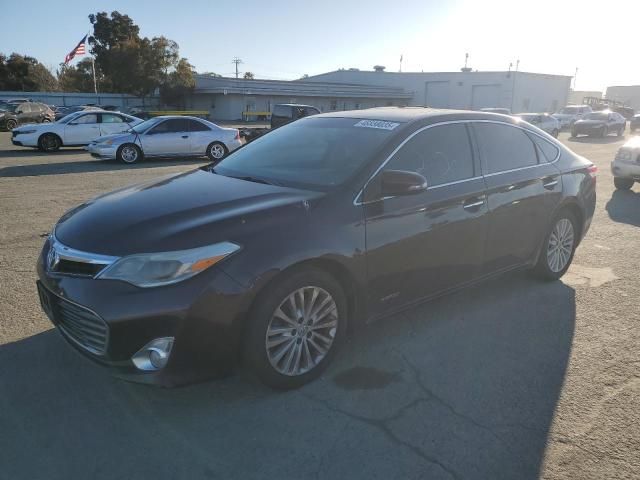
(285, 39)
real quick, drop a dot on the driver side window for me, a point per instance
(84, 119)
(441, 154)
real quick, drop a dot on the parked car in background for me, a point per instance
(502, 111)
(14, 114)
(599, 124)
(64, 111)
(543, 121)
(16, 100)
(284, 113)
(634, 124)
(168, 136)
(626, 112)
(74, 130)
(626, 165)
(275, 252)
(571, 113)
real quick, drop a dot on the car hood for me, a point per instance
(116, 138)
(179, 212)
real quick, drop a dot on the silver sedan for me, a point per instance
(168, 136)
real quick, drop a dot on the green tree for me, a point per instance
(178, 84)
(24, 73)
(248, 76)
(78, 78)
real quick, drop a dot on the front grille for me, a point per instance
(79, 323)
(71, 267)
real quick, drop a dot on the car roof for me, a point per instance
(413, 114)
(169, 117)
(293, 105)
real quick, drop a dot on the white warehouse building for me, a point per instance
(517, 91)
(234, 99)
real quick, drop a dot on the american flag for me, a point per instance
(79, 50)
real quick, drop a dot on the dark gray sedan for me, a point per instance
(600, 124)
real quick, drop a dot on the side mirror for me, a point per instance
(401, 182)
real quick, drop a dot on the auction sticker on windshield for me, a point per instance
(377, 124)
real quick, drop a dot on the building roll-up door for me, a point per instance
(436, 94)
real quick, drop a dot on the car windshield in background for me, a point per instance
(314, 153)
(8, 107)
(597, 116)
(570, 110)
(144, 126)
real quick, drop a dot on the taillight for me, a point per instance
(592, 169)
(237, 135)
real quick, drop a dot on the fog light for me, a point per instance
(154, 355)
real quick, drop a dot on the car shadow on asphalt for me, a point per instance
(624, 207)
(33, 152)
(463, 387)
(85, 166)
(596, 140)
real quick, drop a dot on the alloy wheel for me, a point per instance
(129, 154)
(301, 331)
(560, 246)
(217, 151)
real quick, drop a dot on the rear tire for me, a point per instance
(216, 151)
(558, 248)
(49, 142)
(555, 133)
(286, 335)
(623, 183)
(129, 153)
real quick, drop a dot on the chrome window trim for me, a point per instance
(356, 202)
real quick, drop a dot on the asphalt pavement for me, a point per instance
(511, 379)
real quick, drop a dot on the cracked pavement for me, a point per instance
(510, 379)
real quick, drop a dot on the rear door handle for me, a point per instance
(473, 203)
(185, 136)
(549, 183)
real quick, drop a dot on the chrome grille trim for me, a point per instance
(58, 251)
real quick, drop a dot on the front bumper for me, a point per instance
(625, 169)
(98, 150)
(24, 140)
(588, 130)
(204, 314)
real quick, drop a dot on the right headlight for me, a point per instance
(164, 268)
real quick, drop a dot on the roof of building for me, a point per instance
(226, 85)
(473, 72)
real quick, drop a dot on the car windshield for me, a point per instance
(570, 110)
(69, 117)
(144, 126)
(8, 107)
(597, 116)
(314, 153)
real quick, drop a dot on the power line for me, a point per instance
(237, 61)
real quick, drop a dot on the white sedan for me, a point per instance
(75, 130)
(168, 136)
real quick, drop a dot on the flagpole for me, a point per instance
(93, 68)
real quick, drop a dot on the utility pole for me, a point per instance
(237, 61)
(575, 77)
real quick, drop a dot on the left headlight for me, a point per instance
(157, 269)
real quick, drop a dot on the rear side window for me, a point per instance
(111, 118)
(282, 111)
(195, 126)
(547, 150)
(171, 126)
(88, 118)
(504, 147)
(441, 154)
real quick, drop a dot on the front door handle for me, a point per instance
(185, 136)
(549, 183)
(473, 203)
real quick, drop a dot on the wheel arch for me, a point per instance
(337, 270)
(50, 133)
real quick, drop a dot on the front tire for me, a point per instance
(49, 142)
(295, 329)
(216, 151)
(620, 132)
(555, 133)
(129, 153)
(11, 124)
(558, 248)
(623, 183)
